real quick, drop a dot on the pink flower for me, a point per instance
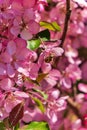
(71, 54)
(82, 87)
(46, 57)
(54, 106)
(66, 82)
(40, 5)
(81, 2)
(25, 25)
(84, 71)
(6, 84)
(74, 72)
(2, 69)
(52, 77)
(5, 9)
(2, 98)
(23, 4)
(29, 70)
(70, 76)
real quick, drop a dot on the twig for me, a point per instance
(74, 107)
(67, 17)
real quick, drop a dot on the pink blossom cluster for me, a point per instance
(73, 63)
(20, 67)
(53, 76)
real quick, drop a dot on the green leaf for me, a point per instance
(33, 44)
(17, 126)
(37, 126)
(56, 26)
(2, 126)
(44, 35)
(39, 104)
(51, 26)
(42, 93)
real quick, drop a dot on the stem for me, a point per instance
(67, 17)
(74, 106)
(37, 95)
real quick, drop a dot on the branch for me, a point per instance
(73, 105)
(67, 17)
(75, 108)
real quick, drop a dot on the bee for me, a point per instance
(49, 59)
